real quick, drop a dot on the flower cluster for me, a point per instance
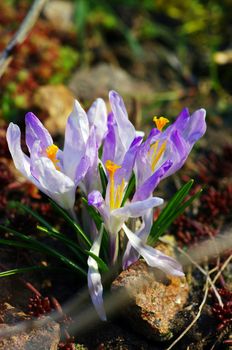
(111, 140)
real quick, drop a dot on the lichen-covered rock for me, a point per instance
(46, 337)
(154, 299)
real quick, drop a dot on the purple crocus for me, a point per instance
(161, 155)
(119, 152)
(174, 144)
(56, 173)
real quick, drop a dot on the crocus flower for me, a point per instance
(114, 217)
(174, 144)
(109, 208)
(119, 151)
(162, 147)
(56, 173)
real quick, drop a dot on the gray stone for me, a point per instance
(89, 83)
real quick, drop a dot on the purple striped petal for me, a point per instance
(109, 147)
(35, 131)
(82, 169)
(126, 130)
(146, 189)
(177, 150)
(96, 200)
(142, 163)
(92, 179)
(196, 127)
(92, 149)
(128, 162)
(76, 137)
(181, 121)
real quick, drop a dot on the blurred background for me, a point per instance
(160, 55)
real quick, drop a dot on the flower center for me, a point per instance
(115, 196)
(157, 151)
(51, 154)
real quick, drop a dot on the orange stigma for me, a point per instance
(111, 167)
(160, 122)
(51, 154)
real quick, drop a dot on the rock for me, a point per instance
(60, 14)
(57, 102)
(46, 337)
(154, 298)
(89, 83)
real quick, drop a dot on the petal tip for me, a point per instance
(31, 119)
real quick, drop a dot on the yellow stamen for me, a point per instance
(51, 154)
(112, 168)
(153, 148)
(156, 156)
(160, 122)
(119, 194)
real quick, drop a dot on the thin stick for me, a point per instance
(222, 268)
(21, 34)
(203, 271)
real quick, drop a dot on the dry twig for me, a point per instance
(222, 268)
(21, 34)
(203, 271)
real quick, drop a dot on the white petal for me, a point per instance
(54, 183)
(94, 279)
(21, 161)
(131, 255)
(154, 257)
(76, 136)
(97, 115)
(139, 208)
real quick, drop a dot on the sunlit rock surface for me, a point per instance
(154, 299)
